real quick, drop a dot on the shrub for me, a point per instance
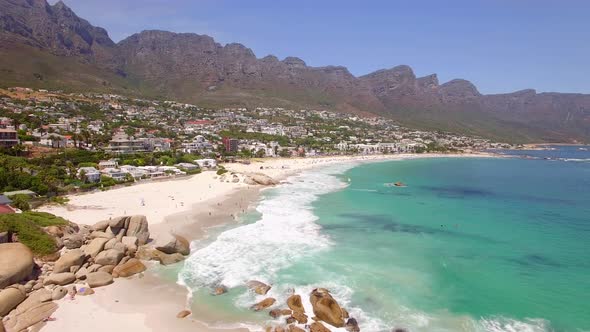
(221, 170)
(58, 200)
(21, 202)
(192, 171)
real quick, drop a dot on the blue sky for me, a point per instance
(499, 45)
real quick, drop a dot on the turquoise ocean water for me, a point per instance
(471, 244)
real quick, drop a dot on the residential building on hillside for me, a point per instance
(123, 144)
(231, 144)
(8, 138)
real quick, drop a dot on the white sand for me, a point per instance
(161, 199)
(150, 304)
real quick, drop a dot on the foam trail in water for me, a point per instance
(285, 233)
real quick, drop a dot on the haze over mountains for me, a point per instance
(44, 45)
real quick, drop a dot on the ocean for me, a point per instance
(469, 244)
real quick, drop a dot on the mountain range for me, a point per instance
(43, 45)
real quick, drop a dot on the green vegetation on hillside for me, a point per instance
(28, 228)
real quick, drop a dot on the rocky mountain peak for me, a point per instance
(270, 59)
(458, 91)
(238, 50)
(294, 62)
(429, 82)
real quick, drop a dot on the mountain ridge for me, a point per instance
(49, 45)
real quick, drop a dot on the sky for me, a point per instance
(499, 45)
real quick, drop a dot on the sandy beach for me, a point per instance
(187, 206)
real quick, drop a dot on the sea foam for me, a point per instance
(285, 233)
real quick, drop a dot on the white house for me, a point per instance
(206, 163)
(90, 173)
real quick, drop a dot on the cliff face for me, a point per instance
(45, 45)
(56, 29)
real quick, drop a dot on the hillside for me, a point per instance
(44, 45)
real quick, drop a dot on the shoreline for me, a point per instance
(218, 206)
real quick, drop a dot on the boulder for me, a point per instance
(84, 291)
(170, 244)
(74, 268)
(294, 303)
(10, 298)
(138, 227)
(117, 222)
(345, 313)
(3, 237)
(124, 260)
(275, 313)
(146, 253)
(166, 259)
(36, 297)
(54, 231)
(131, 267)
(130, 243)
(93, 268)
(183, 314)
(74, 241)
(16, 263)
(101, 226)
(110, 244)
(69, 259)
(352, 325)
(120, 247)
(258, 287)
(318, 327)
(219, 290)
(95, 246)
(263, 304)
(300, 317)
(36, 314)
(325, 308)
(109, 257)
(262, 179)
(293, 328)
(99, 234)
(107, 268)
(61, 279)
(58, 293)
(98, 279)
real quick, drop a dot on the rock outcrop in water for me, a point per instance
(326, 310)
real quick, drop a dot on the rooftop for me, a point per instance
(4, 200)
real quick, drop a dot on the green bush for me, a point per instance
(28, 227)
(192, 171)
(221, 170)
(88, 164)
(58, 200)
(21, 202)
(106, 181)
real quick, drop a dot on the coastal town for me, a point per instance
(106, 139)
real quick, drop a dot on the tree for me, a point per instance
(83, 176)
